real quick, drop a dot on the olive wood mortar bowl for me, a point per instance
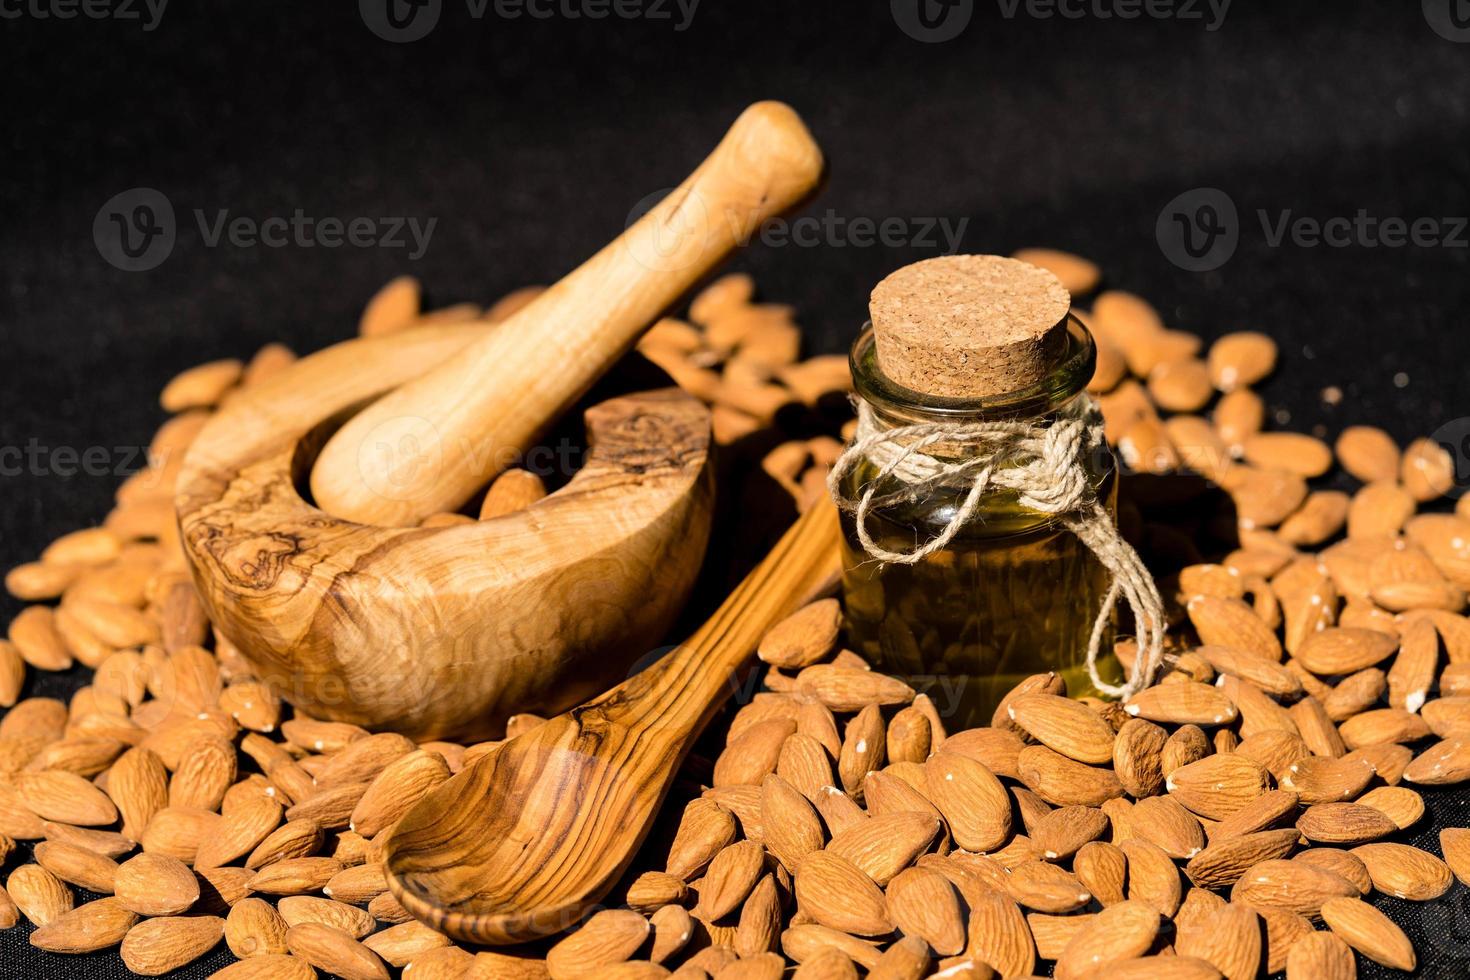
(442, 631)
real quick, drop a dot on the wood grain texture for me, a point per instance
(440, 632)
(493, 400)
(525, 841)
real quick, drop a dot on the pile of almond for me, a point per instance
(1235, 818)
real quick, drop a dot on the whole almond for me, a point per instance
(293, 839)
(1232, 623)
(1152, 877)
(155, 884)
(1344, 823)
(973, 802)
(999, 936)
(1138, 757)
(1368, 453)
(1188, 702)
(34, 637)
(40, 895)
(396, 789)
(732, 873)
(836, 894)
(1316, 779)
(994, 748)
(297, 909)
(863, 748)
(802, 638)
(1370, 932)
(1341, 863)
(850, 689)
(334, 951)
(649, 892)
(400, 944)
(203, 774)
(1320, 956)
(1119, 932)
(607, 938)
(1290, 885)
(1291, 451)
(1230, 940)
(1454, 844)
(158, 946)
(1063, 725)
(1060, 833)
(921, 902)
(66, 798)
(77, 865)
(705, 829)
(1163, 821)
(86, 928)
(1445, 763)
(1218, 785)
(884, 845)
(1065, 782)
(791, 827)
(1404, 871)
(759, 930)
(178, 832)
(254, 928)
(753, 753)
(295, 876)
(1046, 888)
(1224, 861)
(12, 673)
(243, 829)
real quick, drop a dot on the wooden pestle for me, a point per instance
(429, 445)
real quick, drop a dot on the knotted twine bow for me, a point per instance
(1043, 464)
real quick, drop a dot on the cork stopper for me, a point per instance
(969, 326)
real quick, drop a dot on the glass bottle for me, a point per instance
(1015, 592)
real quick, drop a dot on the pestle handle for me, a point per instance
(429, 445)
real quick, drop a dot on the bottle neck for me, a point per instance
(895, 405)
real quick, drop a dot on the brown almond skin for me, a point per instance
(334, 951)
(86, 928)
(153, 884)
(158, 946)
(1370, 932)
(1320, 956)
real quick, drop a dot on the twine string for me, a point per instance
(1044, 466)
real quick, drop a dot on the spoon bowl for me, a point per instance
(525, 841)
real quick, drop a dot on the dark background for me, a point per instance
(531, 139)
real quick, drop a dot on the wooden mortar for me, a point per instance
(445, 631)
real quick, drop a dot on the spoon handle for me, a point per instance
(706, 669)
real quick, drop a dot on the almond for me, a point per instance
(1232, 623)
(154, 884)
(836, 894)
(1368, 453)
(1370, 932)
(863, 748)
(177, 832)
(1229, 939)
(973, 802)
(254, 928)
(66, 798)
(268, 967)
(804, 637)
(1323, 780)
(40, 895)
(732, 873)
(1152, 877)
(158, 946)
(1444, 763)
(334, 951)
(1046, 888)
(1320, 956)
(884, 845)
(86, 928)
(1187, 702)
(1060, 833)
(1404, 871)
(295, 876)
(649, 891)
(293, 839)
(395, 790)
(400, 944)
(705, 829)
(791, 827)
(1290, 451)
(1163, 821)
(850, 689)
(1065, 782)
(1225, 860)
(753, 753)
(999, 936)
(1063, 725)
(77, 866)
(1290, 885)
(994, 748)
(1218, 786)
(1344, 823)
(921, 902)
(1342, 650)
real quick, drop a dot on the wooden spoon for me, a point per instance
(525, 841)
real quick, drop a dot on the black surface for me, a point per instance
(530, 140)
